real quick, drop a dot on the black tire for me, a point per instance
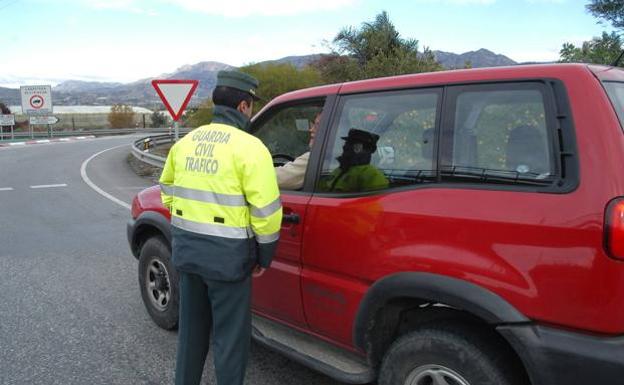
(158, 282)
(460, 355)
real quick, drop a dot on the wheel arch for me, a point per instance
(147, 224)
(393, 293)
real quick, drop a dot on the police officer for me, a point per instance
(219, 184)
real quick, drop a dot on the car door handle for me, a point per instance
(290, 218)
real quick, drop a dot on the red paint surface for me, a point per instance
(542, 252)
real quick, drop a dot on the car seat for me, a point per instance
(526, 151)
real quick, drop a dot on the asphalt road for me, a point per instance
(70, 307)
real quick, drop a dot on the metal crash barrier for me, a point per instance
(141, 149)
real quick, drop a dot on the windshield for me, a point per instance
(615, 90)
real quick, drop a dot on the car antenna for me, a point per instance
(617, 61)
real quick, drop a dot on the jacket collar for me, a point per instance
(231, 117)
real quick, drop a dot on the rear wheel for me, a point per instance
(449, 355)
(158, 282)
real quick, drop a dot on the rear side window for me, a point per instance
(497, 134)
(615, 90)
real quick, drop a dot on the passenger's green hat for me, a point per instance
(239, 80)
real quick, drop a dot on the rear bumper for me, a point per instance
(556, 357)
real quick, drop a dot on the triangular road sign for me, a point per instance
(175, 94)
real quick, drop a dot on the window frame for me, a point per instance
(559, 124)
(559, 128)
(330, 138)
(327, 102)
(616, 109)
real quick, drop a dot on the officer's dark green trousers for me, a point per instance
(224, 309)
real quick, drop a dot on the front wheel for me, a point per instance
(158, 282)
(450, 355)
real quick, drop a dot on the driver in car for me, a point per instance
(290, 175)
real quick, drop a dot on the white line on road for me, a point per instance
(49, 185)
(83, 173)
(6, 188)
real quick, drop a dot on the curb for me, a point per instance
(43, 141)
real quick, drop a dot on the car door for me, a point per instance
(353, 215)
(284, 129)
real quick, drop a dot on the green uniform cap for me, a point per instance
(239, 80)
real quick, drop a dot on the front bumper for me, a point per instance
(556, 357)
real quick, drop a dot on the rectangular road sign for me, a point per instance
(36, 100)
(7, 120)
(43, 120)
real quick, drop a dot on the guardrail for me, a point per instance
(141, 148)
(6, 136)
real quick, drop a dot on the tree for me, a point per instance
(121, 116)
(198, 116)
(599, 50)
(276, 79)
(376, 49)
(4, 110)
(609, 10)
(159, 119)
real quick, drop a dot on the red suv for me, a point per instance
(491, 252)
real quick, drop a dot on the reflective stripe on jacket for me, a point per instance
(219, 182)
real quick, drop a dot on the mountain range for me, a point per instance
(141, 93)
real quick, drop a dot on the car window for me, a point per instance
(381, 140)
(615, 90)
(498, 135)
(286, 130)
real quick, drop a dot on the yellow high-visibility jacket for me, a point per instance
(220, 186)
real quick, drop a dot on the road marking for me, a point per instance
(49, 185)
(85, 178)
(6, 188)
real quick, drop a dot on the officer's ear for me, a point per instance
(245, 107)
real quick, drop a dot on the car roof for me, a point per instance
(528, 71)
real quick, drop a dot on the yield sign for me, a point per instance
(175, 94)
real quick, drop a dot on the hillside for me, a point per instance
(141, 93)
(477, 59)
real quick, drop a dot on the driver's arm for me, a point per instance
(290, 176)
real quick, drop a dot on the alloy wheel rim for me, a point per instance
(157, 284)
(434, 375)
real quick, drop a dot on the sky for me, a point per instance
(48, 41)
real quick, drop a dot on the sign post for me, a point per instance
(175, 95)
(44, 120)
(36, 101)
(7, 120)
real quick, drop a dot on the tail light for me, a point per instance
(614, 229)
